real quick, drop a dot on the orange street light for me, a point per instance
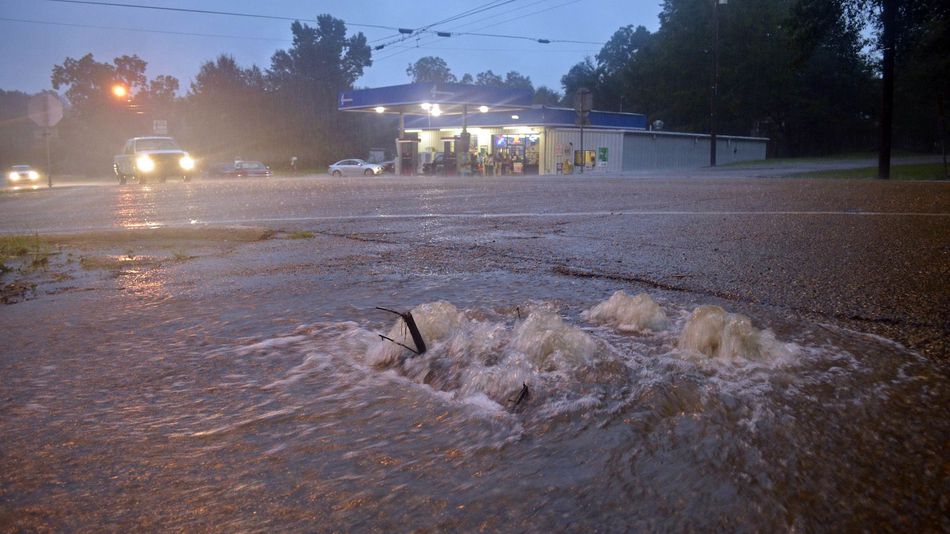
(120, 91)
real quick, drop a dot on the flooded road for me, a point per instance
(603, 356)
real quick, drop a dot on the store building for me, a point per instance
(466, 129)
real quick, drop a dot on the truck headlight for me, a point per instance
(145, 164)
(187, 163)
(34, 175)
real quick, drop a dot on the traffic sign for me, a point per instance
(45, 109)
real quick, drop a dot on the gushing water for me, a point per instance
(637, 412)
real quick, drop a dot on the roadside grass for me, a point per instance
(923, 171)
(18, 246)
(300, 234)
(846, 156)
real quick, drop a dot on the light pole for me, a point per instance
(714, 94)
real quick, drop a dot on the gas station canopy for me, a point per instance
(435, 99)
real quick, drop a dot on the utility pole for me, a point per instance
(888, 20)
(714, 94)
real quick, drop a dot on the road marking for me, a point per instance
(486, 216)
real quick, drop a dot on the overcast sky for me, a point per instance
(45, 32)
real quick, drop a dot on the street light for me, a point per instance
(120, 91)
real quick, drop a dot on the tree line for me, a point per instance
(815, 76)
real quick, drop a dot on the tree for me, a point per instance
(227, 110)
(900, 26)
(430, 69)
(581, 75)
(489, 78)
(546, 97)
(306, 79)
(516, 80)
(96, 123)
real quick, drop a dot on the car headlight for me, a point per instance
(34, 175)
(14, 176)
(186, 163)
(145, 164)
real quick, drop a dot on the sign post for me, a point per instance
(583, 103)
(46, 110)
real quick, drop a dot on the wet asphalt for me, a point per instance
(870, 255)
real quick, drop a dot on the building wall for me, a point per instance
(565, 138)
(670, 150)
(626, 150)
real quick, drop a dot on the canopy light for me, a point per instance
(515, 117)
(436, 111)
(483, 109)
(426, 106)
(380, 109)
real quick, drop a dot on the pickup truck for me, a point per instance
(147, 158)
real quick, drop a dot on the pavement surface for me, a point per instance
(205, 356)
(873, 255)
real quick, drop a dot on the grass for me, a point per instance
(12, 246)
(924, 171)
(300, 234)
(844, 156)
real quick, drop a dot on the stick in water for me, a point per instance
(413, 330)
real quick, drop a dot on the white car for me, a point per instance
(22, 174)
(355, 166)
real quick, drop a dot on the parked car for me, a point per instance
(438, 165)
(355, 166)
(240, 169)
(147, 158)
(388, 166)
(22, 174)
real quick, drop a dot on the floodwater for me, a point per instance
(248, 388)
(642, 412)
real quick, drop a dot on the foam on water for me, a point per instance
(628, 314)
(484, 359)
(715, 333)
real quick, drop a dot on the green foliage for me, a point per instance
(925, 171)
(430, 69)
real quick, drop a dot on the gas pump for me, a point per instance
(407, 149)
(462, 143)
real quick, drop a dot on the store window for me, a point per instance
(518, 154)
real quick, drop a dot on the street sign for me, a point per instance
(159, 127)
(583, 103)
(45, 109)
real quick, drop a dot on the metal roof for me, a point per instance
(535, 116)
(452, 98)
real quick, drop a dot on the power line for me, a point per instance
(410, 33)
(143, 30)
(503, 36)
(208, 12)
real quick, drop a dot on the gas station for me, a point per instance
(461, 126)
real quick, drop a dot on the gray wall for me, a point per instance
(670, 150)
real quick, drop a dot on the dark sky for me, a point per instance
(44, 33)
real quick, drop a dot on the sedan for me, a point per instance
(22, 174)
(240, 169)
(355, 166)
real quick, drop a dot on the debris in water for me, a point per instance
(524, 395)
(413, 330)
(398, 343)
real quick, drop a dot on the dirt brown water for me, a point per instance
(242, 385)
